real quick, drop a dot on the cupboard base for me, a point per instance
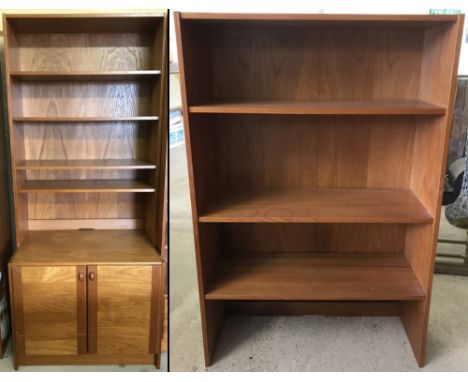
(87, 359)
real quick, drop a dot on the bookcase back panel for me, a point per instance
(116, 140)
(85, 206)
(328, 63)
(82, 99)
(84, 51)
(319, 238)
(297, 152)
(82, 174)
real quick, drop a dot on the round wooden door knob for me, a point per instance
(81, 276)
(92, 276)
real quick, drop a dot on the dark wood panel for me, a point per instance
(306, 276)
(303, 63)
(289, 237)
(300, 308)
(264, 151)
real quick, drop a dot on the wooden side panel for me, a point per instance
(200, 174)
(157, 309)
(438, 85)
(50, 311)
(123, 309)
(157, 147)
(16, 143)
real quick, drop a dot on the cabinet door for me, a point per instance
(49, 310)
(122, 300)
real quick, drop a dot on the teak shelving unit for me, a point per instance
(87, 113)
(299, 125)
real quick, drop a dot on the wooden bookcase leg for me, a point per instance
(212, 324)
(157, 360)
(414, 316)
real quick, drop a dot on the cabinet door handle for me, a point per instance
(92, 276)
(81, 276)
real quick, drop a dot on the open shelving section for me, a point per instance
(87, 112)
(316, 148)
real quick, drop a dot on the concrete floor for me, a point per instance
(307, 343)
(6, 364)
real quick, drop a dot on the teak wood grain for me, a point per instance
(84, 164)
(87, 115)
(312, 139)
(87, 119)
(123, 309)
(322, 205)
(64, 75)
(49, 307)
(84, 247)
(84, 186)
(312, 277)
(350, 107)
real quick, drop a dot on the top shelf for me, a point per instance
(408, 21)
(85, 22)
(345, 107)
(84, 75)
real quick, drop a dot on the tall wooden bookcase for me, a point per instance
(316, 147)
(87, 114)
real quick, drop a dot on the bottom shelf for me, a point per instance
(86, 247)
(310, 276)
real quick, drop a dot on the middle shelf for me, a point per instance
(317, 205)
(323, 107)
(85, 164)
(310, 276)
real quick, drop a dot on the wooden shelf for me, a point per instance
(86, 247)
(351, 107)
(35, 186)
(307, 276)
(408, 21)
(90, 164)
(86, 119)
(84, 75)
(329, 205)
